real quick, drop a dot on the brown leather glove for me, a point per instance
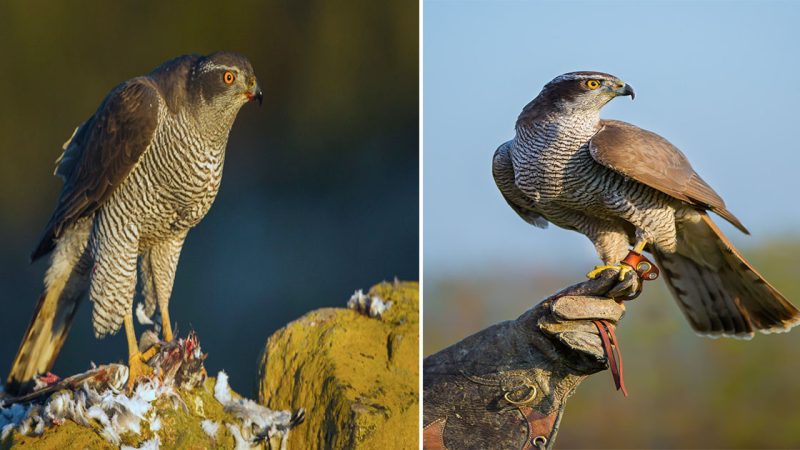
(506, 386)
(572, 320)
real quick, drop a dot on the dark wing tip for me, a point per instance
(45, 246)
(47, 242)
(727, 215)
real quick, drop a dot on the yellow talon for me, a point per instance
(149, 353)
(598, 270)
(623, 270)
(137, 368)
(137, 365)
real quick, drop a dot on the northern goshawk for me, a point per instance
(621, 185)
(138, 175)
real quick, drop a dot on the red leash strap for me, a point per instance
(610, 344)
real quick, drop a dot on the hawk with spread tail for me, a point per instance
(621, 185)
(138, 175)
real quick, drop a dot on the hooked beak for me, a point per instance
(256, 94)
(626, 89)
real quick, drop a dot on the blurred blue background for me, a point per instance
(320, 189)
(720, 81)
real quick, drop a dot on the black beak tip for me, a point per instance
(629, 91)
(259, 96)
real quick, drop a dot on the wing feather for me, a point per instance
(101, 153)
(503, 172)
(652, 160)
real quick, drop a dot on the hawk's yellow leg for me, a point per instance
(166, 325)
(137, 365)
(623, 268)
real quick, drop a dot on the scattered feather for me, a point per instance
(241, 443)
(259, 423)
(372, 306)
(210, 427)
(12, 417)
(155, 424)
(150, 444)
(222, 391)
(141, 315)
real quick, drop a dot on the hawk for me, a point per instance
(621, 185)
(138, 175)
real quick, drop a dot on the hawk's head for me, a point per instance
(576, 93)
(226, 79)
(216, 85)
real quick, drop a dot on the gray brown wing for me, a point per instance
(101, 154)
(503, 172)
(652, 160)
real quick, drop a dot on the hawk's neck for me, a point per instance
(560, 133)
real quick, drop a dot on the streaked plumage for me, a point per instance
(614, 183)
(138, 174)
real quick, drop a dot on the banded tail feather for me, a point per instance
(44, 338)
(66, 284)
(718, 290)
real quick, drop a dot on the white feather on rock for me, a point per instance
(372, 306)
(210, 427)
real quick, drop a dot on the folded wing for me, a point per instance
(503, 173)
(101, 154)
(652, 160)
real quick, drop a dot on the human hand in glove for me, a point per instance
(506, 386)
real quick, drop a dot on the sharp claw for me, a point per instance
(628, 286)
(623, 271)
(600, 269)
(622, 268)
(137, 367)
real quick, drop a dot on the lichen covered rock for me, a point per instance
(355, 375)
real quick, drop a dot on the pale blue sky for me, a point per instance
(721, 80)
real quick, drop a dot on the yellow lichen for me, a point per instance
(355, 375)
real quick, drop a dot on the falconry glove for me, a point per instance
(507, 385)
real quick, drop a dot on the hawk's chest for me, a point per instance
(190, 174)
(200, 185)
(549, 163)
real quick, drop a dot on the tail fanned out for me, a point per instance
(719, 292)
(46, 333)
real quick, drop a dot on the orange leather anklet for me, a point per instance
(644, 268)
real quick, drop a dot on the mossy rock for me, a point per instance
(356, 376)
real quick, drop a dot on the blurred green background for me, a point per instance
(320, 189)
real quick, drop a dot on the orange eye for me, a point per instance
(228, 77)
(593, 84)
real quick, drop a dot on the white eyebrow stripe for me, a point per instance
(209, 66)
(581, 76)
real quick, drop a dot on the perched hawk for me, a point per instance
(138, 174)
(621, 185)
